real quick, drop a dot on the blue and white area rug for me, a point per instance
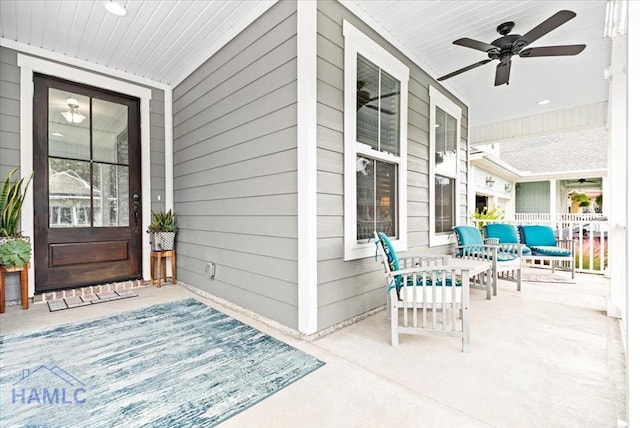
(180, 364)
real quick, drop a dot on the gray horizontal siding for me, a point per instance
(157, 150)
(346, 289)
(9, 136)
(235, 169)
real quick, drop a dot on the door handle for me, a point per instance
(135, 212)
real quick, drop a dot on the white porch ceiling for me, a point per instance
(164, 41)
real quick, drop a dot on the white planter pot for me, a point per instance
(162, 241)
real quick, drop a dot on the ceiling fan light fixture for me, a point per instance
(73, 115)
(115, 8)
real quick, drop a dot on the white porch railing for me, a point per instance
(590, 231)
(536, 217)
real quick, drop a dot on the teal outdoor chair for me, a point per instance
(506, 258)
(424, 294)
(546, 248)
(505, 234)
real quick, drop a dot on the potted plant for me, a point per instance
(162, 230)
(15, 249)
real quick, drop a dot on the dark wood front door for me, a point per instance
(87, 199)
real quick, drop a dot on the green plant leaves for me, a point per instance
(162, 222)
(15, 253)
(11, 199)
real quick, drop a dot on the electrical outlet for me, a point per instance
(210, 270)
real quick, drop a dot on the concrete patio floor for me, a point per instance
(547, 356)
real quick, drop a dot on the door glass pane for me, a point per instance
(109, 132)
(111, 195)
(69, 193)
(83, 193)
(68, 125)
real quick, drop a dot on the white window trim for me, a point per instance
(356, 42)
(438, 99)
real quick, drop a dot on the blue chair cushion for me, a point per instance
(502, 256)
(389, 252)
(392, 258)
(399, 283)
(468, 235)
(506, 234)
(537, 236)
(542, 250)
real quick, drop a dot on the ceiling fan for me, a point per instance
(508, 45)
(364, 98)
(582, 181)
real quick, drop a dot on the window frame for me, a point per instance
(356, 42)
(438, 100)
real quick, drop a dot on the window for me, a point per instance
(375, 138)
(444, 145)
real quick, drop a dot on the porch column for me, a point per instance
(633, 159)
(553, 199)
(307, 171)
(617, 183)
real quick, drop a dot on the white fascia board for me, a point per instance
(64, 59)
(563, 175)
(494, 164)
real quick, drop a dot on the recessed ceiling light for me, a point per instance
(115, 8)
(543, 102)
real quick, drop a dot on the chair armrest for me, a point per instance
(511, 248)
(418, 269)
(569, 244)
(414, 261)
(477, 252)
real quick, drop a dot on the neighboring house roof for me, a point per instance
(70, 184)
(570, 151)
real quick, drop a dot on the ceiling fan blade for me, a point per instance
(475, 44)
(503, 69)
(545, 27)
(382, 110)
(552, 51)
(390, 94)
(462, 70)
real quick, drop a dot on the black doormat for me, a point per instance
(89, 299)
